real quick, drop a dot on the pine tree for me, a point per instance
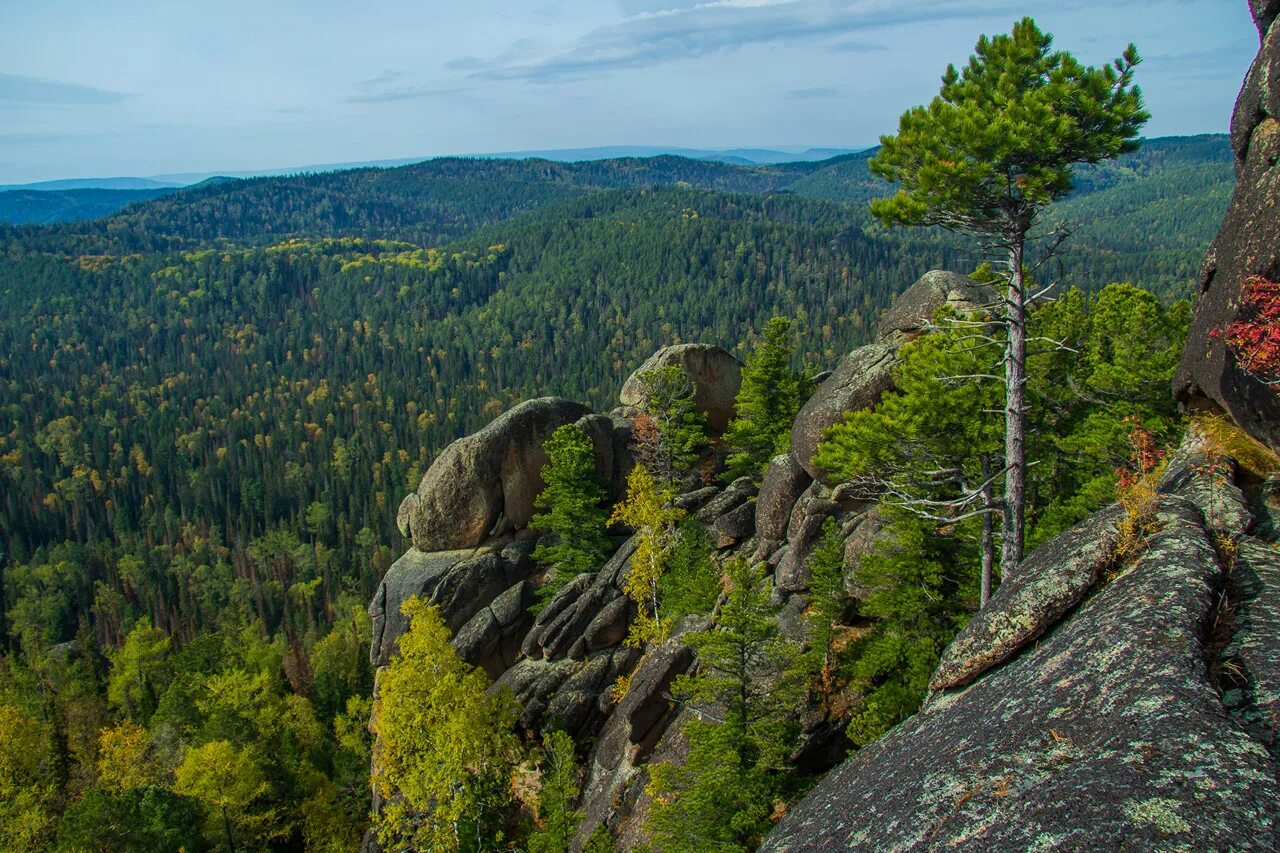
(917, 599)
(671, 431)
(749, 686)
(828, 602)
(572, 502)
(985, 158)
(931, 447)
(557, 820)
(771, 395)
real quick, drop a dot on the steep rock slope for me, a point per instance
(1092, 704)
(471, 556)
(1248, 245)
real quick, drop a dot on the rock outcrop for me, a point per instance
(471, 555)
(483, 485)
(1247, 246)
(716, 376)
(866, 373)
(1087, 707)
(1107, 697)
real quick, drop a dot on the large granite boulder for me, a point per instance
(484, 485)
(461, 583)
(716, 376)
(1246, 246)
(1109, 733)
(917, 305)
(784, 482)
(862, 377)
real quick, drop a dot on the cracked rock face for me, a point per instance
(1106, 734)
(1246, 246)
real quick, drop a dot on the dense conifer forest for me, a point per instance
(211, 404)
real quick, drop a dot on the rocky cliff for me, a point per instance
(1109, 703)
(1100, 701)
(1246, 246)
(471, 555)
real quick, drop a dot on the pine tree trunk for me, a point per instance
(1015, 413)
(988, 536)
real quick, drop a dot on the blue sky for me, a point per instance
(140, 88)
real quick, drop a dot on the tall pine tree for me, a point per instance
(572, 509)
(771, 395)
(985, 158)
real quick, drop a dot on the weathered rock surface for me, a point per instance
(784, 482)
(1106, 734)
(629, 736)
(809, 514)
(483, 485)
(461, 583)
(857, 383)
(864, 374)
(1054, 579)
(1245, 247)
(716, 376)
(917, 305)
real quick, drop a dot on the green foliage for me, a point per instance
(691, 583)
(647, 508)
(1124, 348)
(558, 770)
(999, 140)
(232, 785)
(138, 820)
(28, 784)
(600, 841)
(572, 509)
(828, 601)
(447, 745)
(930, 439)
(921, 588)
(670, 432)
(723, 795)
(771, 395)
(137, 670)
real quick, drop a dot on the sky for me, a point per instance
(130, 87)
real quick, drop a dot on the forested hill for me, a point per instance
(214, 400)
(441, 199)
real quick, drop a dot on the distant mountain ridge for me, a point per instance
(436, 200)
(738, 156)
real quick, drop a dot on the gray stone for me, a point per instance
(512, 607)
(609, 626)
(918, 304)
(734, 495)
(469, 586)
(862, 377)
(784, 481)
(810, 512)
(1209, 483)
(484, 485)
(1251, 659)
(415, 573)
(1054, 579)
(735, 525)
(1106, 735)
(716, 376)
